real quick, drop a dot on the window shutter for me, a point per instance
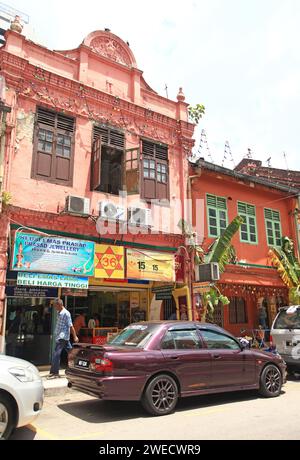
(211, 201)
(46, 117)
(132, 162)
(66, 124)
(242, 208)
(155, 171)
(110, 137)
(96, 164)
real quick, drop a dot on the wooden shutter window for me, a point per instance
(132, 170)
(53, 147)
(110, 137)
(155, 171)
(96, 165)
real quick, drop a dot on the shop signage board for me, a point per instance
(150, 265)
(52, 254)
(163, 292)
(74, 292)
(109, 261)
(52, 280)
(201, 287)
(26, 291)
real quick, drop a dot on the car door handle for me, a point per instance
(217, 356)
(174, 357)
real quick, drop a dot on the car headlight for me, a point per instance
(25, 374)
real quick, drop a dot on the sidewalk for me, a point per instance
(57, 386)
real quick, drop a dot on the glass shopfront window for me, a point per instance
(28, 329)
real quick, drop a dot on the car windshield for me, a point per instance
(135, 335)
(288, 319)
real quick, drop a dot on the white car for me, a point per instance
(21, 394)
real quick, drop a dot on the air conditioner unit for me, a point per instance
(77, 205)
(207, 272)
(139, 216)
(110, 211)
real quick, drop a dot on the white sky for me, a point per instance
(240, 58)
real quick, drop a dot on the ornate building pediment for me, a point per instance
(110, 46)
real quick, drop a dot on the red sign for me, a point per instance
(179, 268)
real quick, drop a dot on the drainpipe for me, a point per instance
(297, 226)
(4, 110)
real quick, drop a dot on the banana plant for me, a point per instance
(222, 250)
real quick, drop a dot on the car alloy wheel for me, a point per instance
(3, 419)
(161, 395)
(270, 381)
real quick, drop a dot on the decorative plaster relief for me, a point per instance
(110, 49)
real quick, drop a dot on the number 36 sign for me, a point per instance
(150, 265)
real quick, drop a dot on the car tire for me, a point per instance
(161, 395)
(6, 417)
(270, 381)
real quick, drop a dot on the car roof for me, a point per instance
(178, 324)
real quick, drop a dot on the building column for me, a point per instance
(4, 227)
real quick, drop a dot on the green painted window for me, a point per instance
(248, 230)
(216, 215)
(273, 227)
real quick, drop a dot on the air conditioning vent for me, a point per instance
(78, 205)
(139, 216)
(111, 211)
(208, 272)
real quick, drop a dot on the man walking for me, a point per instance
(62, 336)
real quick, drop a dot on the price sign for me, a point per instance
(150, 265)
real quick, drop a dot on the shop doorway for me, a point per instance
(28, 329)
(169, 309)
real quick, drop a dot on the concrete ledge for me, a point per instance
(55, 387)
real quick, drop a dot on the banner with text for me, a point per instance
(150, 265)
(51, 280)
(53, 255)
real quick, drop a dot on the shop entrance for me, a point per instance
(28, 329)
(114, 307)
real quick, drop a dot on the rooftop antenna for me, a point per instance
(287, 167)
(249, 154)
(166, 90)
(203, 145)
(228, 154)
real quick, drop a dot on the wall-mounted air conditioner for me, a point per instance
(111, 211)
(207, 272)
(139, 216)
(77, 205)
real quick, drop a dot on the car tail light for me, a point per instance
(100, 364)
(271, 341)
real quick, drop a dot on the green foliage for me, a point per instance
(6, 198)
(222, 250)
(195, 113)
(211, 300)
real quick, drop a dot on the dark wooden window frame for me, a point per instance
(158, 155)
(56, 131)
(238, 310)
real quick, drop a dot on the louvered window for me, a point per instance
(273, 227)
(109, 136)
(216, 215)
(53, 149)
(155, 171)
(248, 230)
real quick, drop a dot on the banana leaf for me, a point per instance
(222, 250)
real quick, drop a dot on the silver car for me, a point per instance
(21, 394)
(285, 334)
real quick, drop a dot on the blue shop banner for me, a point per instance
(50, 254)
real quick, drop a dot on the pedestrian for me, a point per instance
(62, 336)
(79, 322)
(262, 316)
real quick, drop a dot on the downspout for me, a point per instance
(297, 227)
(191, 263)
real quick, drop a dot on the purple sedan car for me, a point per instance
(157, 362)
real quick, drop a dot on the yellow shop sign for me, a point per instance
(150, 265)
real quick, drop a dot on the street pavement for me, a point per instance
(241, 415)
